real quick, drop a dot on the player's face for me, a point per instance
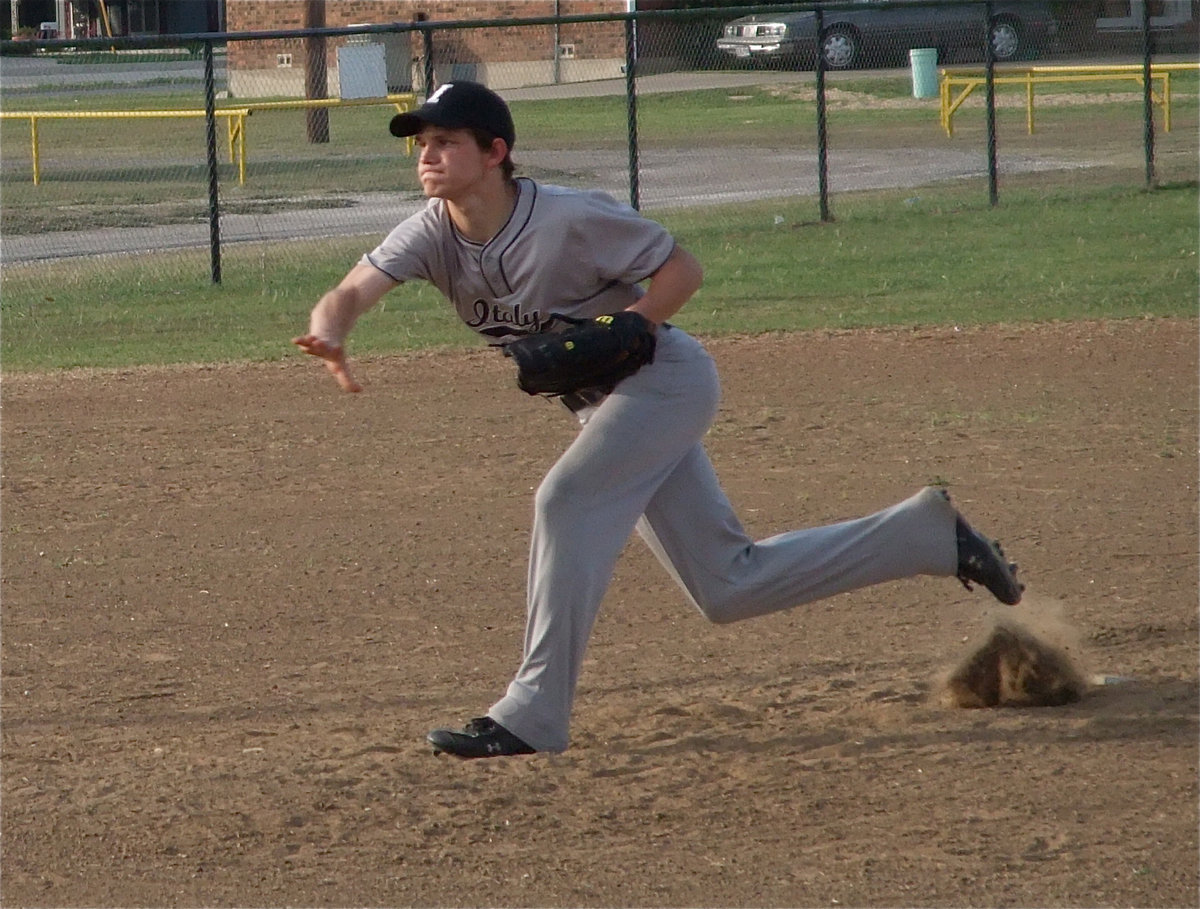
(451, 163)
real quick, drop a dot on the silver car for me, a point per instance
(875, 32)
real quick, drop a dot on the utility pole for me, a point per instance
(315, 72)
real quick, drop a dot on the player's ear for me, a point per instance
(498, 152)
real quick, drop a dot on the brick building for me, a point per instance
(500, 57)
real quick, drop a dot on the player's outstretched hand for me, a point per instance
(334, 356)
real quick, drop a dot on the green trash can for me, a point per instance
(924, 71)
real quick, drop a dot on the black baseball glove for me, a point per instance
(591, 353)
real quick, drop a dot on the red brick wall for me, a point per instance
(498, 45)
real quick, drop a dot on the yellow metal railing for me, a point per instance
(34, 117)
(237, 130)
(235, 119)
(956, 84)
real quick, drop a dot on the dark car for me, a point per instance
(881, 32)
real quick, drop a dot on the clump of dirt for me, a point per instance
(1017, 666)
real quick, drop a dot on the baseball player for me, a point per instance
(512, 255)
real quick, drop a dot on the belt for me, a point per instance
(586, 397)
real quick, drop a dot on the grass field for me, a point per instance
(887, 260)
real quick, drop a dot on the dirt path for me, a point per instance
(234, 601)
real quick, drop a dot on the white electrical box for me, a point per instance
(362, 71)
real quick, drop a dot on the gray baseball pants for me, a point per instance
(638, 462)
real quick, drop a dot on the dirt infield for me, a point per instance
(234, 601)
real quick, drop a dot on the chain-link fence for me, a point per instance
(197, 143)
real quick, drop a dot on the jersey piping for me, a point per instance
(491, 260)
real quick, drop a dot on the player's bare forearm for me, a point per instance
(671, 287)
(338, 310)
(334, 316)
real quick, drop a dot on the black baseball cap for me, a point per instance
(459, 105)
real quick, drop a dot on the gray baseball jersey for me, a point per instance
(563, 251)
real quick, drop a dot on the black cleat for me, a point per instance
(982, 561)
(480, 738)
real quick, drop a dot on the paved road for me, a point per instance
(682, 178)
(376, 214)
(26, 73)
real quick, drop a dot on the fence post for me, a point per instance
(990, 82)
(427, 61)
(631, 110)
(1148, 96)
(822, 131)
(210, 127)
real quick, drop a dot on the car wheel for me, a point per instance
(840, 48)
(1006, 39)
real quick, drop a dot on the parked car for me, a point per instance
(881, 32)
(1175, 24)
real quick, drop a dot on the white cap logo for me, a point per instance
(433, 99)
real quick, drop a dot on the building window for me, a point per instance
(143, 17)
